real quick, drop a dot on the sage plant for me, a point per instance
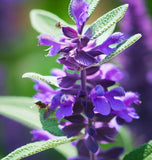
(87, 103)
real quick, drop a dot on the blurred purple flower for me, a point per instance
(138, 62)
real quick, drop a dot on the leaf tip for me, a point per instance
(27, 75)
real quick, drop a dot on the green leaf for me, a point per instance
(92, 6)
(144, 152)
(103, 23)
(105, 35)
(50, 124)
(20, 110)
(36, 147)
(127, 43)
(45, 22)
(48, 79)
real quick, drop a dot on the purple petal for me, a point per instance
(75, 118)
(116, 104)
(44, 97)
(84, 41)
(79, 10)
(103, 82)
(115, 38)
(84, 59)
(64, 111)
(40, 134)
(111, 72)
(118, 91)
(77, 108)
(69, 32)
(58, 72)
(131, 97)
(101, 106)
(70, 63)
(91, 144)
(124, 115)
(92, 70)
(97, 91)
(102, 118)
(94, 53)
(73, 129)
(66, 49)
(47, 40)
(42, 86)
(106, 134)
(67, 81)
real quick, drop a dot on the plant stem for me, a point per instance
(83, 89)
(83, 80)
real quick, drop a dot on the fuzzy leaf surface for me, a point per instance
(50, 124)
(19, 109)
(103, 23)
(144, 152)
(48, 79)
(36, 147)
(45, 22)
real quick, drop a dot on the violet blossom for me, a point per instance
(88, 102)
(137, 62)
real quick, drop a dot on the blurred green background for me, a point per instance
(19, 53)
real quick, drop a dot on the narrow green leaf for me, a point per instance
(105, 35)
(20, 110)
(36, 147)
(144, 152)
(45, 22)
(48, 79)
(127, 43)
(92, 6)
(50, 124)
(103, 23)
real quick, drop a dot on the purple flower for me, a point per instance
(79, 10)
(128, 113)
(45, 92)
(64, 102)
(77, 50)
(115, 39)
(40, 134)
(89, 102)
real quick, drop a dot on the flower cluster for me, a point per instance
(92, 102)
